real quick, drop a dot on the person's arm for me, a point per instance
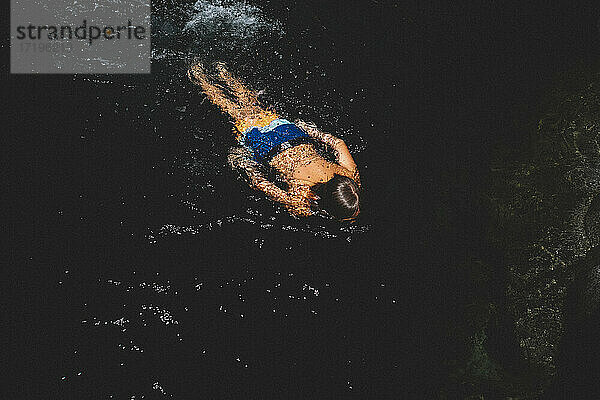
(342, 154)
(240, 157)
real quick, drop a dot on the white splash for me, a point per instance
(233, 19)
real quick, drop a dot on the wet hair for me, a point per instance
(337, 198)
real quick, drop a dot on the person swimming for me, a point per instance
(315, 185)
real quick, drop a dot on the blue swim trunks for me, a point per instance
(268, 141)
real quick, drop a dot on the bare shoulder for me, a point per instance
(344, 171)
(299, 186)
(300, 194)
(350, 173)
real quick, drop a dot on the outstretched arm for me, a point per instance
(342, 154)
(240, 157)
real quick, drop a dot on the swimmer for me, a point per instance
(315, 185)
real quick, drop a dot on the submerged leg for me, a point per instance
(214, 93)
(245, 96)
(245, 111)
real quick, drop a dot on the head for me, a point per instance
(338, 197)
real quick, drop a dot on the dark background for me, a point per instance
(445, 86)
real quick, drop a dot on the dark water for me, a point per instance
(147, 269)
